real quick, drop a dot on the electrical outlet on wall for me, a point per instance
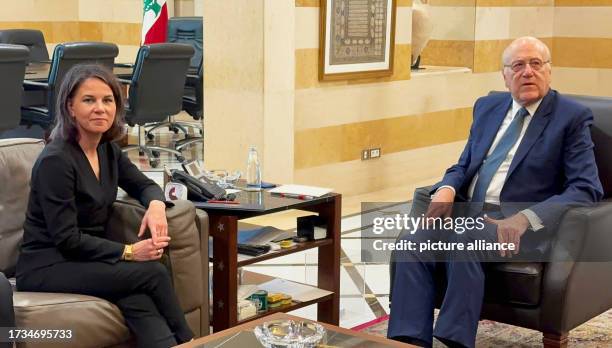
(375, 152)
(365, 154)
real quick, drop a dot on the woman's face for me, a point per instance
(93, 107)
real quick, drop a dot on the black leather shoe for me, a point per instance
(450, 343)
(411, 340)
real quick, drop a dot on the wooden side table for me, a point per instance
(224, 231)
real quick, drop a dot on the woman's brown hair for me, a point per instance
(65, 125)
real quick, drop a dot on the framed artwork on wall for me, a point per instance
(356, 39)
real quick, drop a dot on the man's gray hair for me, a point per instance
(541, 46)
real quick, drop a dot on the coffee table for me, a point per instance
(223, 220)
(242, 336)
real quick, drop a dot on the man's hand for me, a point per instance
(155, 219)
(441, 204)
(510, 230)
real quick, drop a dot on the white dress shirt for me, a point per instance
(499, 178)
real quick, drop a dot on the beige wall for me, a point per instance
(234, 82)
(117, 21)
(262, 86)
(452, 38)
(314, 132)
(408, 117)
(582, 46)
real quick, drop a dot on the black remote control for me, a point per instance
(253, 250)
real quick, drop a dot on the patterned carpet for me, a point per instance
(596, 333)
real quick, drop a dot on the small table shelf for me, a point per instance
(282, 252)
(224, 232)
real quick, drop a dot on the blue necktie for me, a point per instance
(494, 160)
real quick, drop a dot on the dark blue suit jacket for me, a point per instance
(554, 165)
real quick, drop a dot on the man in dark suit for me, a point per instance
(528, 156)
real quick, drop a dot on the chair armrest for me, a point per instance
(35, 85)
(7, 314)
(583, 234)
(576, 283)
(183, 256)
(124, 81)
(202, 223)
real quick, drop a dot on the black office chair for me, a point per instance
(187, 30)
(156, 90)
(13, 60)
(193, 104)
(34, 40)
(65, 56)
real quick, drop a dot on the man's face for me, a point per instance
(528, 84)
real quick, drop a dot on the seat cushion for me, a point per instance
(94, 321)
(514, 282)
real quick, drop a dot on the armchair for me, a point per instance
(555, 297)
(94, 321)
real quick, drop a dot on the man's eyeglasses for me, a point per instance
(519, 65)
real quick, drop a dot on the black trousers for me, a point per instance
(142, 291)
(7, 315)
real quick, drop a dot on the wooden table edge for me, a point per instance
(250, 325)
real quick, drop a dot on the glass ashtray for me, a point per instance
(289, 334)
(222, 177)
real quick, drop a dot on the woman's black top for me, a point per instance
(68, 207)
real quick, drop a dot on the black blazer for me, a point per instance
(68, 207)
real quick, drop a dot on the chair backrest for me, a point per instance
(188, 30)
(67, 55)
(13, 60)
(198, 90)
(156, 91)
(601, 131)
(34, 40)
(17, 156)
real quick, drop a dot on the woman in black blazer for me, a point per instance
(74, 183)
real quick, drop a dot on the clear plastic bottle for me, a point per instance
(253, 174)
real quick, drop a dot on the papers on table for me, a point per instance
(298, 292)
(301, 190)
(262, 235)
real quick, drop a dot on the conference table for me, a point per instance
(39, 71)
(36, 71)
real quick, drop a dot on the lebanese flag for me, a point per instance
(154, 21)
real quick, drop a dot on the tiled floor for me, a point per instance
(364, 287)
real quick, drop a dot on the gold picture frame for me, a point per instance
(363, 43)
